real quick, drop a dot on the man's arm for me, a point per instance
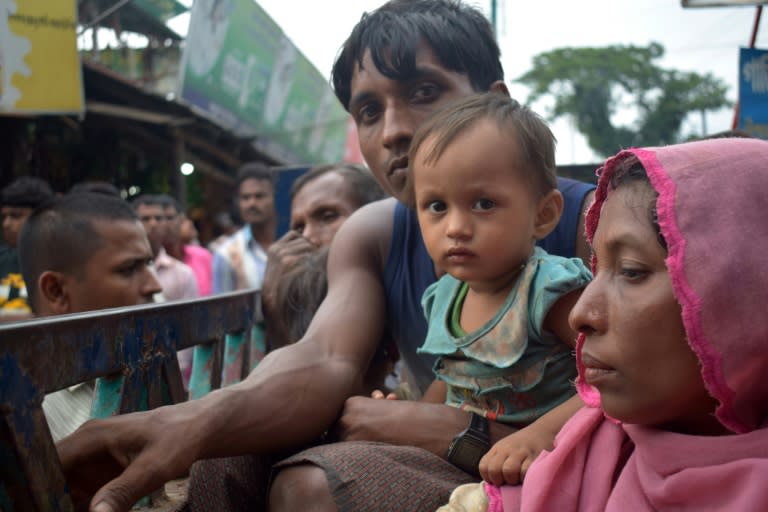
(429, 426)
(291, 398)
(583, 249)
(433, 426)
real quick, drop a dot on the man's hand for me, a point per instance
(282, 256)
(115, 462)
(400, 422)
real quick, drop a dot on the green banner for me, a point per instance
(163, 10)
(240, 70)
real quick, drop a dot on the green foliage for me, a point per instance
(592, 84)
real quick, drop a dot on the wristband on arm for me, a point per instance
(470, 445)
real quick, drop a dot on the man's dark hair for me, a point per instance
(170, 202)
(96, 187)
(364, 187)
(460, 36)
(147, 199)
(254, 170)
(26, 192)
(61, 236)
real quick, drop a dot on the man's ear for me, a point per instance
(53, 296)
(500, 87)
(548, 214)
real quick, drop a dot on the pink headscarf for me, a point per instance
(713, 213)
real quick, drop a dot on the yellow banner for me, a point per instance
(39, 63)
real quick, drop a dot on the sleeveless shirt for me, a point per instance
(408, 272)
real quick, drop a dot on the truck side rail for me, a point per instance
(132, 353)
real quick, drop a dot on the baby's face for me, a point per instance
(478, 215)
(636, 352)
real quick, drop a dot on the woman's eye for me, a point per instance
(483, 204)
(633, 274)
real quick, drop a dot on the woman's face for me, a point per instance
(635, 351)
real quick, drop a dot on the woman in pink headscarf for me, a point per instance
(673, 351)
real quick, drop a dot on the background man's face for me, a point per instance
(320, 208)
(117, 274)
(256, 201)
(173, 220)
(14, 218)
(153, 218)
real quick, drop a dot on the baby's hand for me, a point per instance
(508, 460)
(379, 395)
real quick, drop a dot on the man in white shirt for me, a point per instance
(239, 261)
(83, 252)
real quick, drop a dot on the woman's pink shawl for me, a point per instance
(713, 213)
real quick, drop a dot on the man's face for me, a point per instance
(320, 208)
(173, 220)
(14, 218)
(117, 274)
(256, 199)
(152, 216)
(387, 112)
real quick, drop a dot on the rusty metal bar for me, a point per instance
(133, 348)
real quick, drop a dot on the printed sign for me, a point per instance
(39, 63)
(240, 70)
(753, 92)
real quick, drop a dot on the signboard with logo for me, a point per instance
(753, 92)
(39, 63)
(239, 69)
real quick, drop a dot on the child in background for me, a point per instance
(484, 189)
(673, 350)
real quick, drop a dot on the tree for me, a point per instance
(592, 85)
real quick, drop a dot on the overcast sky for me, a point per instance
(702, 39)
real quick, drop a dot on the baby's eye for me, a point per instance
(436, 206)
(483, 204)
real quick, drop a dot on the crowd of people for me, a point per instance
(494, 284)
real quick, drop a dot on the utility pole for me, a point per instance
(493, 19)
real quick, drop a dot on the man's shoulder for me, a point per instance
(373, 221)
(376, 215)
(367, 233)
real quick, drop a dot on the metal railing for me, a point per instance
(131, 352)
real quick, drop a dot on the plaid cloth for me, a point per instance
(373, 477)
(362, 476)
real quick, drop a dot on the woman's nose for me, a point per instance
(588, 315)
